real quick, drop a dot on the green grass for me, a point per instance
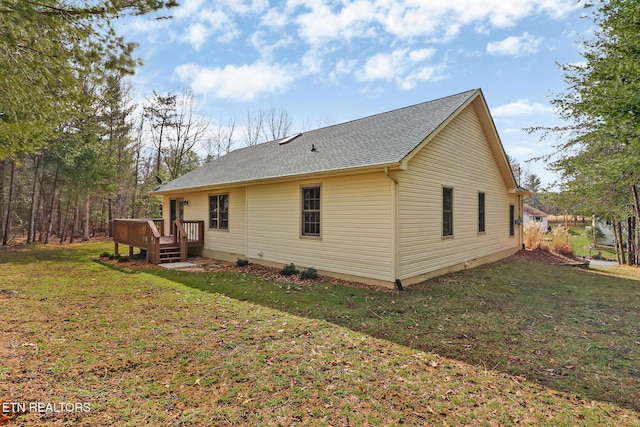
(580, 244)
(505, 344)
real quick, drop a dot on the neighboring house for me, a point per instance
(535, 216)
(607, 230)
(390, 199)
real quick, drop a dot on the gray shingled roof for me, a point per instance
(381, 139)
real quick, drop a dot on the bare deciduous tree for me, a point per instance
(254, 125)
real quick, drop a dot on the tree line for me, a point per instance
(75, 150)
(103, 165)
(598, 151)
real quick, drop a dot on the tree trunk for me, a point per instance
(49, 216)
(110, 218)
(31, 236)
(63, 222)
(74, 223)
(619, 238)
(630, 243)
(3, 167)
(86, 235)
(636, 237)
(7, 222)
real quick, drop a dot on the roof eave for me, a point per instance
(378, 167)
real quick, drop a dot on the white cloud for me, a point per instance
(384, 66)
(220, 23)
(401, 65)
(421, 54)
(187, 8)
(274, 18)
(515, 45)
(324, 21)
(196, 35)
(342, 68)
(521, 107)
(321, 24)
(244, 82)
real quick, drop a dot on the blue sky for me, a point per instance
(329, 61)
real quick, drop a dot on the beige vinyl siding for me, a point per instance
(232, 240)
(356, 225)
(456, 160)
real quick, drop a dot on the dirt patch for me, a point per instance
(548, 257)
(261, 271)
(273, 274)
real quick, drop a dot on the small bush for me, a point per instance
(533, 236)
(114, 256)
(289, 270)
(561, 243)
(595, 236)
(563, 249)
(309, 273)
(124, 258)
(105, 254)
(242, 262)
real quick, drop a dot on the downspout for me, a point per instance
(395, 230)
(386, 172)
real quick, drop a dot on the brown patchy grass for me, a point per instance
(146, 349)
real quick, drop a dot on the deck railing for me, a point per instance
(148, 234)
(195, 232)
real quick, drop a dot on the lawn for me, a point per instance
(580, 244)
(510, 343)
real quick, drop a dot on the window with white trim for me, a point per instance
(447, 211)
(219, 211)
(481, 213)
(311, 211)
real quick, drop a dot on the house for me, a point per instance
(606, 227)
(391, 199)
(536, 216)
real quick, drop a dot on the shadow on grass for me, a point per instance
(564, 328)
(69, 253)
(117, 267)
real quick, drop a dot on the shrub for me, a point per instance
(242, 262)
(124, 258)
(561, 241)
(289, 270)
(533, 236)
(114, 256)
(105, 254)
(595, 236)
(309, 273)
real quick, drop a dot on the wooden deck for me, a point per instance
(148, 235)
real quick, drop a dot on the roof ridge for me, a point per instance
(389, 111)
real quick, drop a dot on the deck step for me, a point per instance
(170, 253)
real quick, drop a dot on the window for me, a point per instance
(481, 214)
(447, 211)
(219, 211)
(512, 220)
(311, 211)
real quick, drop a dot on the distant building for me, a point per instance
(533, 215)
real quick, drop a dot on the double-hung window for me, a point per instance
(447, 211)
(481, 213)
(219, 211)
(512, 220)
(311, 211)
